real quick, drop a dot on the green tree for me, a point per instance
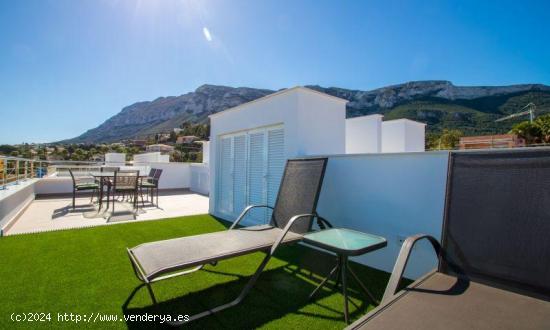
(447, 140)
(531, 132)
(543, 124)
(6, 149)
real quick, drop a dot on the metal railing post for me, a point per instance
(3, 169)
(17, 171)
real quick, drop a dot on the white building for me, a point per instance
(115, 159)
(370, 134)
(403, 135)
(364, 134)
(163, 148)
(151, 157)
(250, 143)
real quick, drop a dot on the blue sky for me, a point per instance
(66, 66)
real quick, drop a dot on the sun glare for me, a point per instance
(206, 33)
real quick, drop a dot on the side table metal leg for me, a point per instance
(343, 268)
(339, 275)
(335, 269)
(356, 278)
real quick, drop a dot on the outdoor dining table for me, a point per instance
(102, 176)
(344, 243)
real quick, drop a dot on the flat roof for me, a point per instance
(287, 90)
(404, 119)
(365, 116)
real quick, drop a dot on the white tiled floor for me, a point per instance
(55, 213)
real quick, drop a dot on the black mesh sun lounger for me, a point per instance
(292, 216)
(494, 257)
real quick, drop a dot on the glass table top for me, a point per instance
(347, 241)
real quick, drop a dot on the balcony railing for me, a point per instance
(14, 170)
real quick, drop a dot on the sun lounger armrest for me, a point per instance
(244, 212)
(402, 260)
(287, 228)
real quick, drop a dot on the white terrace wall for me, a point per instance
(13, 200)
(174, 176)
(200, 178)
(391, 195)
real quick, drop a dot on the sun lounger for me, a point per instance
(292, 216)
(494, 259)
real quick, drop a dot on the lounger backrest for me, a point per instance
(497, 218)
(299, 192)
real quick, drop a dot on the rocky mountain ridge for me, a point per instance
(420, 100)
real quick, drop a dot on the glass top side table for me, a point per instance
(345, 243)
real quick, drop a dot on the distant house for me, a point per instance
(178, 130)
(162, 137)
(186, 139)
(98, 158)
(162, 148)
(139, 143)
(491, 141)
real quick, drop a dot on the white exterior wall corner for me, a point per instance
(415, 136)
(321, 124)
(364, 134)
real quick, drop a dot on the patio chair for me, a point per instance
(292, 216)
(80, 185)
(124, 184)
(494, 258)
(109, 169)
(151, 184)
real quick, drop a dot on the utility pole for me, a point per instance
(531, 107)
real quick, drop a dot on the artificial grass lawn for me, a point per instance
(84, 271)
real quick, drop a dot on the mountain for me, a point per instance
(440, 104)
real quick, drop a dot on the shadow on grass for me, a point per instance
(279, 292)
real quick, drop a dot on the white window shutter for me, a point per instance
(250, 169)
(225, 198)
(275, 164)
(239, 174)
(256, 176)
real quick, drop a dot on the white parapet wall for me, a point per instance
(115, 159)
(200, 178)
(205, 151)
(13, 200)
(174, 176)
(151, 157)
